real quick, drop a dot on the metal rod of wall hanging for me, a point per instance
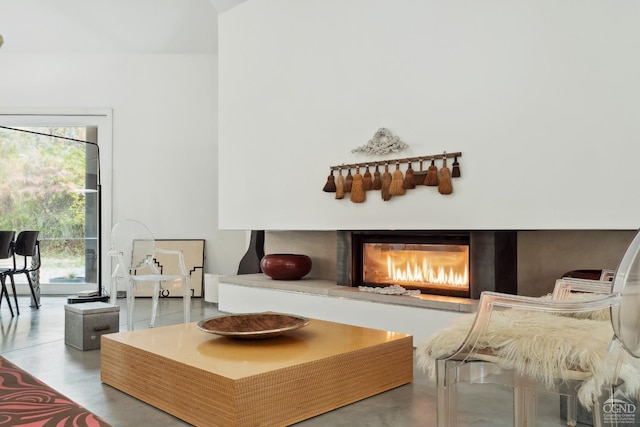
(396, 161)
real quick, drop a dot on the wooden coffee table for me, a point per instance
(205, 379)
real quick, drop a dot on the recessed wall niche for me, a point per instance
(543, 255)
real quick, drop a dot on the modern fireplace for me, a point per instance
(452, 263)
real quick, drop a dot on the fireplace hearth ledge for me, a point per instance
(330, 288)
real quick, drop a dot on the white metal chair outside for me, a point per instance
(474, 362)
(134, 248)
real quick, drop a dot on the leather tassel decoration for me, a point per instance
(357, 188)
(386, 184)
(396, 188)
(348, 182)
(432, 175)
(330, 186)
(377, 180)
(455, 169)
(340, 186)
(445, 187)
(367, 182)
(408, 183)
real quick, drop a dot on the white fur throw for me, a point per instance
(540, 345)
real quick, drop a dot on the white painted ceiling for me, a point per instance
(111, 26)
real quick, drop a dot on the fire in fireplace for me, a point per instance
(432, 263)
(417, 265)
(459, 263)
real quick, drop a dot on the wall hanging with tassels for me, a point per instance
(394, 183)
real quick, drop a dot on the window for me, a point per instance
(50, 184)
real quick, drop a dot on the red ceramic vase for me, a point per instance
(285, 266)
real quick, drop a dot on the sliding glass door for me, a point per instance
(51, 182)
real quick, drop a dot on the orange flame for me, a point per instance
(426, 272)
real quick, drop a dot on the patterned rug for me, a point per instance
(27, 401)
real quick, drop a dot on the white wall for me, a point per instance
(164, 134)
(114, 26)
(540, 97)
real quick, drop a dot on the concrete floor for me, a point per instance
(35, 342)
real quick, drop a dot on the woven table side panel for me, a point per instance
(290, 395)
(193, 395)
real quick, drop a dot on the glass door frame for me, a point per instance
(102, 119)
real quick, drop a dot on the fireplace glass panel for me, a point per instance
(411, 265)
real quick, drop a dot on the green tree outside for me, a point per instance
(42, 181)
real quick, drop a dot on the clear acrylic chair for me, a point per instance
(138, 260)
(546, 345)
